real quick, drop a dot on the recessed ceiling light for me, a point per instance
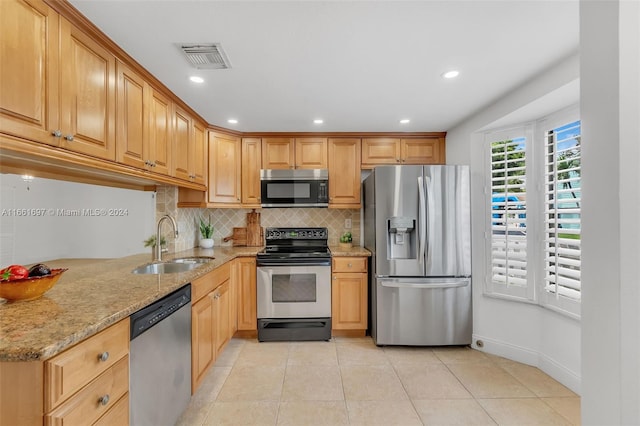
(405, 121)
(318, 121)
(232, 121)
(196, 79)
(451, 74)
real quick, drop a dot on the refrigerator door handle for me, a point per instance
(431, 217)
(396, 283)
(421, 219)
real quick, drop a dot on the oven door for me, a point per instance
(294, 291)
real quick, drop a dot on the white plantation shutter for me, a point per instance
(562, 201)
(508, 273)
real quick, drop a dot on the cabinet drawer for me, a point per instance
(69, 371)
(349, 264)
(95, 399)
(117, 415)
(205, 285)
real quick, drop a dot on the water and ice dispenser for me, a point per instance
(401, 237)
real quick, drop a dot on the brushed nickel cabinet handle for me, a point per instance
(69, 138)
(103, 356)
(57, 133)
(103, 400)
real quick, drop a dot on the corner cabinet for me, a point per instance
(349, 296)
(344, 173)
(224, 171)
(380, 151)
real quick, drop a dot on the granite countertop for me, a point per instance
(92, 295)
(353, 251)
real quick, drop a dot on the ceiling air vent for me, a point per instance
(205, 55)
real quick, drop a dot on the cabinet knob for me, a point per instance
(397, 160)
(103, 356)
(147, 163)
(349, 265)
(69, 138)
(152, 164)
(217, 296)
(335, 278)
(57, 133)
(103, 400)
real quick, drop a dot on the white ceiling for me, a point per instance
(359, 65)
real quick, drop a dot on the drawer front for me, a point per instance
(69, 371)
(95, 399)
(117, 415)
(349, 264)
(204, 285)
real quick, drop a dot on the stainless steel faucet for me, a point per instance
(158, 237)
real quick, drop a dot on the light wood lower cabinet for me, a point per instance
(247, 298)
(349, 295)
(211, 325)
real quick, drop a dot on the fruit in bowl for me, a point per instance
(20, 283)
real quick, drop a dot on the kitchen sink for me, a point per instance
(192, 260)
(172, 266)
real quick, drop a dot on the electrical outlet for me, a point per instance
(347, 223)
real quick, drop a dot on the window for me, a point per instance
(562, 199)
(508, 244)
(534, 197)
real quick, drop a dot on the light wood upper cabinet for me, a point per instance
(278, 153)
(198, 153)
(28, 70)
(159, 131)
(189, 148)
(131, 146)
(344, 173)
(87, 94)
(224, 174)
(422, 151)
(290, 153)
(182, 140)
(379, 151)
(311, 153)
(251, 165)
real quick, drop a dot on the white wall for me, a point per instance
(610, 107)
(27, 239)
(523, 332)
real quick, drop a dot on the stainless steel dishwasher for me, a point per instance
(160, 360)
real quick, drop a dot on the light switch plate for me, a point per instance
(347, 223)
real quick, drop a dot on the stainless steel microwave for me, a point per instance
(294, 188)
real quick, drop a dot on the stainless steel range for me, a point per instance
(294, 285)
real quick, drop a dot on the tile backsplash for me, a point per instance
(224, 220)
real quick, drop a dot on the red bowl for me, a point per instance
(29, 288)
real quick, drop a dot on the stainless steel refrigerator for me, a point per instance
(417, 226)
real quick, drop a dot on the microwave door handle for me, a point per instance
(421, 219)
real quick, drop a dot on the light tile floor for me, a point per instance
(353, 382)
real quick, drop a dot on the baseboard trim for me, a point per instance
(530, 357)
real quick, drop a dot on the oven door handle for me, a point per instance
(322, 263)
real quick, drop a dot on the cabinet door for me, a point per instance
(422, 151)
(251, 165)
(159, 131)
(247, 305)
(278, 153)
(202, 339)
(87, 94)
(221, 323)
(198, 157)
(131, 144)
(28, 70)
(311, 153)
(344, 172)
(349, 301)
(224, 176)
(181, 142)
(380, 151)
(233, 299)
